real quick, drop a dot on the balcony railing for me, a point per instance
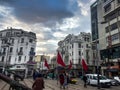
(107, 2)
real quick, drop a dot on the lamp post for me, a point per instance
(97, 66)
(96, 48)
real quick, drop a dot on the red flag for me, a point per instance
(60, 60)
(84, 65)
(70, 66)
(46, 64)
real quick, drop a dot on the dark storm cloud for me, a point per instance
(34, 11)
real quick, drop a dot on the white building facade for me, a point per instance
(17, 48)
(108, 33)
(76, 47)
(40, 59)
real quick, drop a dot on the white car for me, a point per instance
(117, 78)
(92, 79)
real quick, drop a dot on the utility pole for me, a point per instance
(98, 66)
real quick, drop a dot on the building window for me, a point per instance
(0, 34)
(111, 16)
(4, 41)
(72, 45)
(21, 49)
(118, 1)
(79, 52)
(30, 40)
(115, 37)
(9, 59)
(25, 59)
(19, 58)
(11, 49)
(31, 58)
(7, 33)
(32, 49)
(105, 1)
(88, 39)
(111, 27)
(4, 49)
(114, 26)
(79, 45)
(87, 46)
(12, 40)
(18, 66)
(107, 7)
(2, 59)
(22, 40)
(85, 38)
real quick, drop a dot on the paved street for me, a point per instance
(53, 85)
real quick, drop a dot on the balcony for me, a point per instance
(107, 2)
(31, 53)
(20, 53)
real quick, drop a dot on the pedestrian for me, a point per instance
(65, 81)
(39, 83)
(85, 80)
(61, 80)
(35, 73)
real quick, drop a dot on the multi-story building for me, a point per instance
(17, 49)
(40, 59)
(76, 47)
(108, 33)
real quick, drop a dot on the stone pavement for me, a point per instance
(54, 85)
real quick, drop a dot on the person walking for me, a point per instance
(65, 85)
(39, 83)
(61, 79)
(35, 73)
(85, 80)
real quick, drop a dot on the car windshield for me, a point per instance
(101, 77)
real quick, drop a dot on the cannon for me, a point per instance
(14, 85)
(16, 76)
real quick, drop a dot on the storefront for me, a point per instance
(113, 71)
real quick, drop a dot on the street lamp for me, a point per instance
(95, 42)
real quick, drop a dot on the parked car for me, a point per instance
(93, 80)
(114, 82)
(117, 78)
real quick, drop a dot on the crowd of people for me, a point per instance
(62, 77)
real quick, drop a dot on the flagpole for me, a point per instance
(57, 71)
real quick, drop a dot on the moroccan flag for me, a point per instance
(46, 64)
(70, 66)
(84, 65)
(60, 60)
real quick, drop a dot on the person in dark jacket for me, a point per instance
(35, 73)
(39, 83)
(85, 80)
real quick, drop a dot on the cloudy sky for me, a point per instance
(51, 20)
